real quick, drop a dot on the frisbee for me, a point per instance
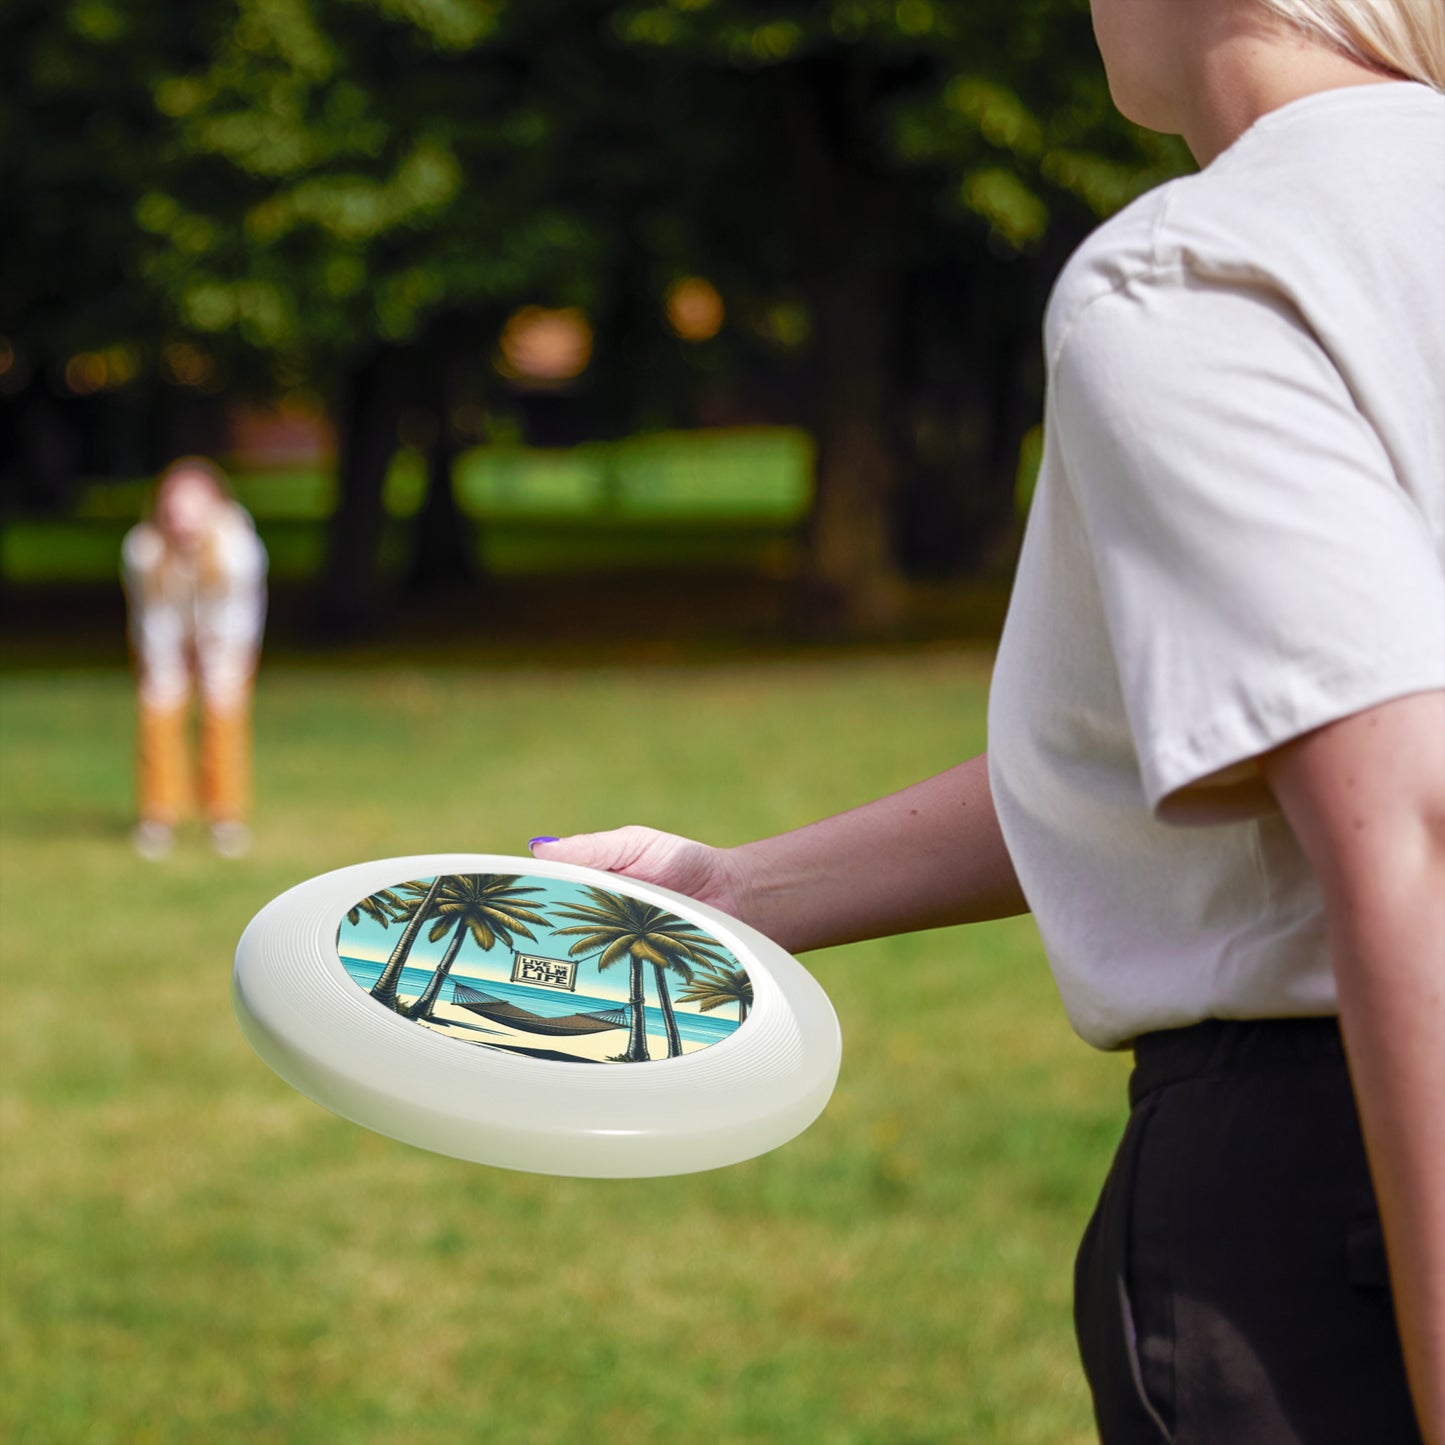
(536, 1016)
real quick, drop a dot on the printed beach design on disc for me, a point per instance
(536, 966)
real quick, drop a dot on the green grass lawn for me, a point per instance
(193, 1252)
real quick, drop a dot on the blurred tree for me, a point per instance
(79, 139)
(351, 197)
(917, 171)
(375, 187)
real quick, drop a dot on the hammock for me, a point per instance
(474, 1001)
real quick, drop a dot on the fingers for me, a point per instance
(641, 853)
(616, 851)
(670, 861)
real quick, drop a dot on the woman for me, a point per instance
(1217, 760)
(195, 582)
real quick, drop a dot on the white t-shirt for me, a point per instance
(187, 627)
(1238, 536)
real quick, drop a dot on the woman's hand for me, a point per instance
(711, 875)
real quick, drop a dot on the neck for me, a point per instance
(1246, 67)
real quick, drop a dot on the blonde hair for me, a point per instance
(1404, 37)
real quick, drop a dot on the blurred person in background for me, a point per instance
(1216, 767)
(195, 583)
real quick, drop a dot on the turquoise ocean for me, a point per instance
(696, 1028)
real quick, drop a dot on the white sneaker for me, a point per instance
(152, 840)
(231, 840)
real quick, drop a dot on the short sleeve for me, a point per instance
(1263, 571)
(240, 552)
(140, 555)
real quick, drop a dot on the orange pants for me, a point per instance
(163, 762)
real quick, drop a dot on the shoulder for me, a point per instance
(239, 548)
(1112, 258)
(1199, 230)
(142, 549)
(1338, 188)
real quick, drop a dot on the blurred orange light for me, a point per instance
(544, 346)
(187, 365)
(695, 311)
(86, 373)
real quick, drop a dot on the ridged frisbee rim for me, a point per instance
(742, 1096)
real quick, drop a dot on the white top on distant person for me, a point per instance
(195, 581)
(1219, 713)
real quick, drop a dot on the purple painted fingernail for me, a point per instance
(544, 839)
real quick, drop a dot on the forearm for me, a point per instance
(926, 857)
(1390, 970)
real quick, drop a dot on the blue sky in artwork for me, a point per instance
(369, 940)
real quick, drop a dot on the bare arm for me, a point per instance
(926, 857)
(1366, 799)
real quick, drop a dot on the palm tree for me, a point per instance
(488, 906)
(416, 911)
(615, 927)
(718, 987)
(384, 908)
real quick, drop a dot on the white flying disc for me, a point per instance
(536, 1016)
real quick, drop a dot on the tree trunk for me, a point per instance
(851, 554)
(47, 450)
(442, 557)
(384, 989)
(669, 1019)
(422, 1008)
(637, 1004)
(847, 219)
(349, 602)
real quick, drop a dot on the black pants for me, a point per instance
(1231, 1287)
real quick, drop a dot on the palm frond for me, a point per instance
(383, 906)
(510, 929)
(680, 967)
(619, 949)
(512, 910)
(590, 944)
(648, 932)
(707, 956)
(419, 888)
(714, 989)
(481, 931)
(581, 913)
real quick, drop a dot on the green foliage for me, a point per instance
(299, 178)
(369, 176)
(351, 196)
(193, 1251)
(79, 140)
(1002, 108)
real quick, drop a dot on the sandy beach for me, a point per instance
(595, 1048)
